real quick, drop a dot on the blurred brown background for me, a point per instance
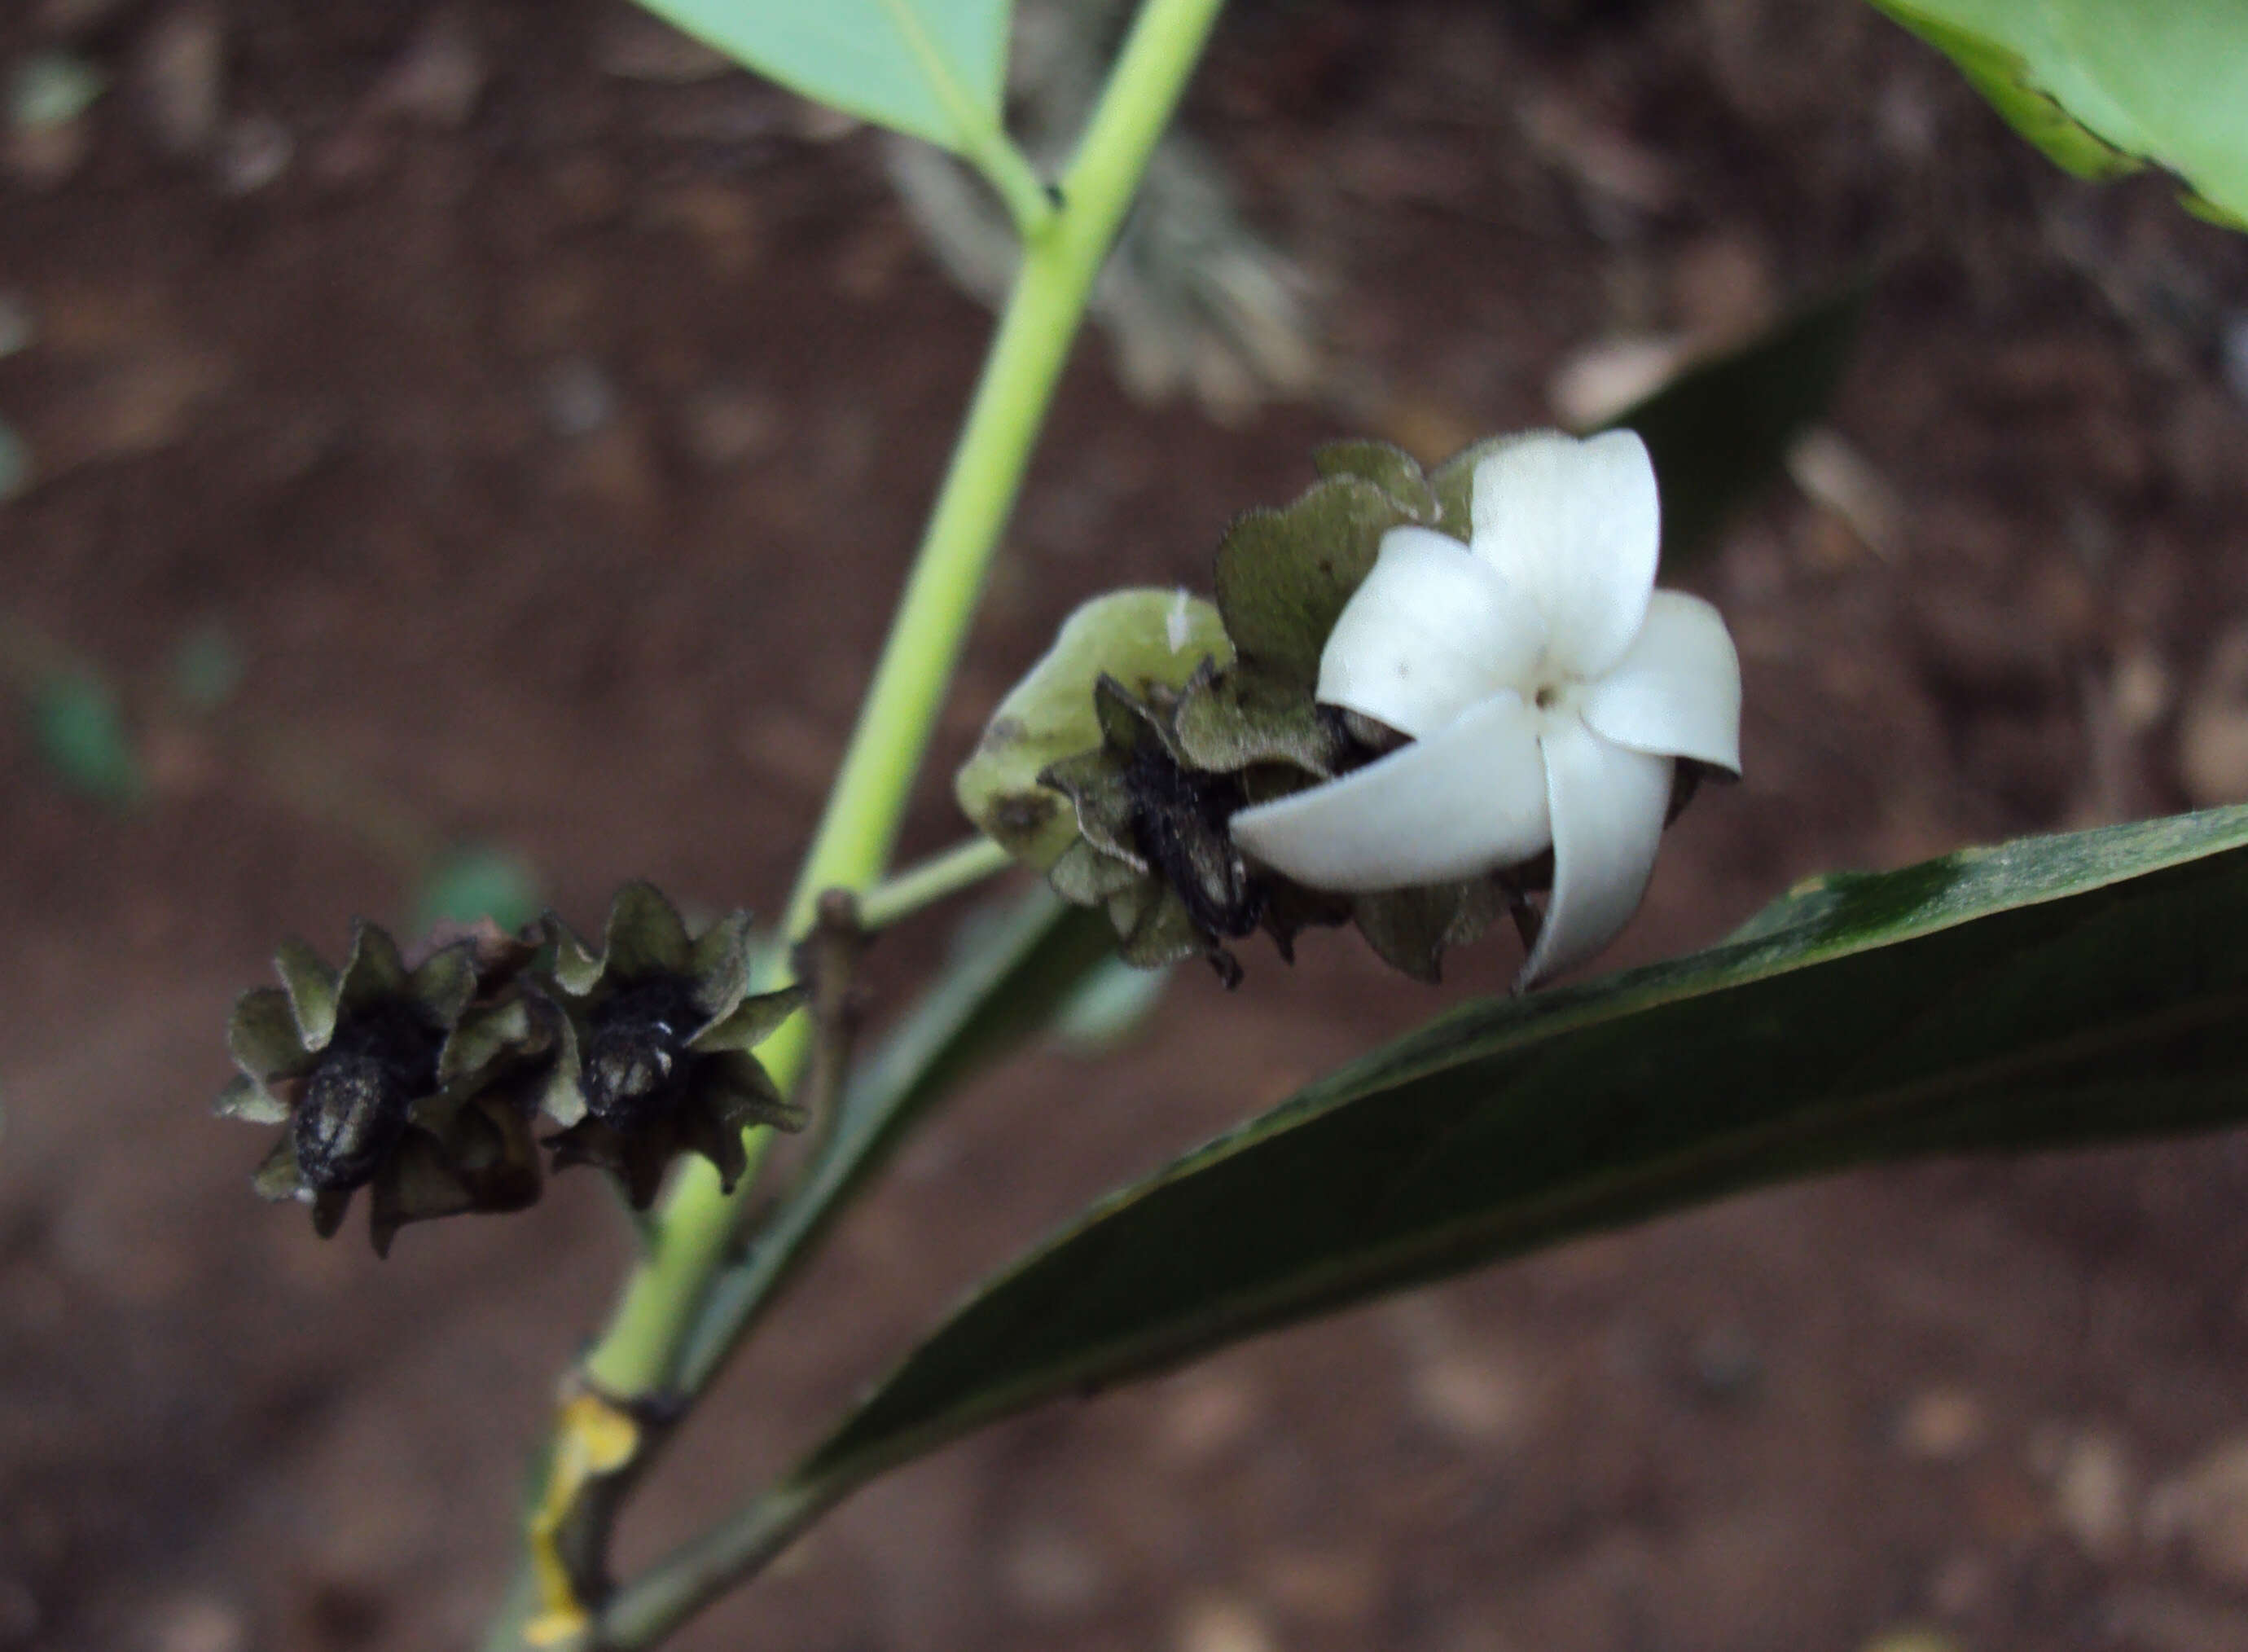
(536, 423)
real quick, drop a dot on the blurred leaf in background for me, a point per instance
(1109, 1007)
(207, 669)
(15, 464)
(478, 881)
(1721, 427)
(81, 734)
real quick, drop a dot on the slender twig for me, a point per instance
(1068, 235)
(827, 960)
(641, 1614)
(962, 867)
(640, 1351)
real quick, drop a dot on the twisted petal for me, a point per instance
(1608, 807)
(1677, 692)
(1469, 798)
(1576, 526)
(1433, 629)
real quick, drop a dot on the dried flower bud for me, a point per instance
(403, 1081)
(657, 1041)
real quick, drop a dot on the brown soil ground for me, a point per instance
(552, 456)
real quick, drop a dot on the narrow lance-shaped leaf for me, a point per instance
(932, 69)
(2052, 992)
(1008, 981)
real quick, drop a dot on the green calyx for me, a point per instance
(657, 1030)
(1152, 845)
(1116, 764)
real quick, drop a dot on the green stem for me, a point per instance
(1006, 169)
(962, 867)
(739, 1547)
(1067, 238)
(638, 1354)
(984, 143)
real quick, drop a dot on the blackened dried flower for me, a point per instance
(1152, 843)
(657, 1042)
(388, 1079)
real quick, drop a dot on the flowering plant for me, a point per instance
(1416, 701)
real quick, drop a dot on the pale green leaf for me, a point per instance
(932, 69)
(2105, 85)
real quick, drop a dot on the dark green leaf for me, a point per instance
(752, 1020)
(1721, 429)
(1452, 483)
(2052, 992)
(1410, 930)
(263, 1038)
(1007, 982)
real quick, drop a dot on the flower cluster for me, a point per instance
(1420, 699)
(423, 1085)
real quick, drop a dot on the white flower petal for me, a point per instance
(1577, 525)
(1468, 799)
(1608, 805)
(1433, 629)
(1677, 692)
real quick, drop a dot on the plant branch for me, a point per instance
(984, 143)
(637, 1359)
(828, 962)
(639, 1353)
(962, 867)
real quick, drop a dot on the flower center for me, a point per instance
(1548, 695)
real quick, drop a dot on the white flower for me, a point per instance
(1548, 687)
